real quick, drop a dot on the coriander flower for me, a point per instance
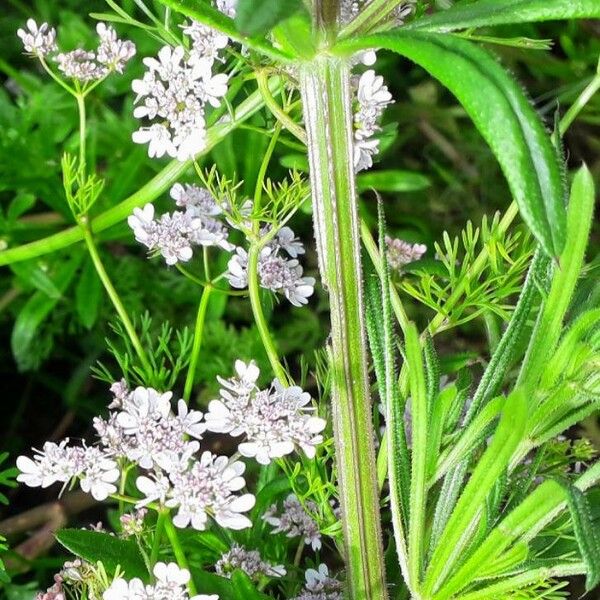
(273, 421)
(59, 463)
(320, 586)
(208, 489)
(276, 272)
(174, 92)
(38, 41)
(248, 561)
(372, 97)
(170, 584)
(401, 253)
(294, 521)
(81, 65)
(112, 52)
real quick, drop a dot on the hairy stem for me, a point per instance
(328, 117)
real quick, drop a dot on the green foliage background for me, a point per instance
(54, 318)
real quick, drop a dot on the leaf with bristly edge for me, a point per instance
(485, 13)
(503, 115)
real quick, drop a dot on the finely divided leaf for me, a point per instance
(503, 115)
(499, 12)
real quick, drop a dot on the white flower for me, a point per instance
(142, 405)
(276, 272)
(99, 475)
(174, 92)
(248, 561)
(81, 65)
(320, 586)
(401, 253)
(125, 590)
(273, 421)
(208, 489)
(227, 7)
(112, 52)
(196, 200)
(287, 240)
(373, 96)
(294, 521)
(155, 489)
(158, 138)
(38, 41)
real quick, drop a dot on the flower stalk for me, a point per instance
(325, 87)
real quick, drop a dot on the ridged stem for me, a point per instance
(326, 97)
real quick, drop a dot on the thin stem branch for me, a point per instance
(180, 556)
(197, 343)
(259, 315)
(158, 533)
(82, 133)
(590, 90)
(114, 297)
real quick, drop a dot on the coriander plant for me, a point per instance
(360, 471)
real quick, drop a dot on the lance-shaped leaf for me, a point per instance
(503, 115)
(494, 12)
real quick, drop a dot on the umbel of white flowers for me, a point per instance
(202, 222)
(249, 561)
(173, 93)
(170, 583)
(112, 54)
(320, 586)
(145, 432)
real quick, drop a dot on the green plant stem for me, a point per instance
(569, 117)
(325, 88)
(163, 515)
(262, 173)
(259, 315)
(114, 296)
(82, 133)
(197, 343)
(147, 193)
(180, 556)
(277, 111)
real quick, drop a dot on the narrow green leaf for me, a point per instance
(20, 204)
(392, 181)
(503, 115)
(587, 535)
(418, 482)
(258, 17)
(95, 546)
(492, 12)
(32, 273)
(204, 13)
(550, 321)
(88, 295)
(243, 587)
(37, 308)
(492, 464)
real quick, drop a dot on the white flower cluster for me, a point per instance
(59, 463)
(276, 271)
(171, 582)
(145, 431)
(372, 96)
(401, 253)
(174, 235)
(273, 421)
(248, 561)
(320, 586)
(294, 521)
(173, 93)
(112, 54)
(38, 41)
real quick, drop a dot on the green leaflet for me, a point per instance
(95, 546)
(472, 500)
(586, 534)
(503, 115)
(258, 17)
(37, 308)
(495, 12)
